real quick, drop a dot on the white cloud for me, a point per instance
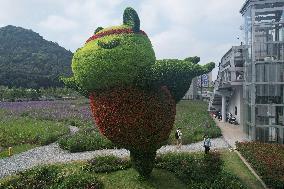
(58, 23)
(177, 28)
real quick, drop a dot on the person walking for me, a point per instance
(206, 144)
(178, 136)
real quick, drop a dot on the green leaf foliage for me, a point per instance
(85, 140)
(177, 75)
(131, 18)
(27, 60)
(112, 61)
(106, 164)
(98, 29)
(194, 59)
(51, 177)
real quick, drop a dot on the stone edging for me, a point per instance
(251, 169)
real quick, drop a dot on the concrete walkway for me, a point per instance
(232, 133)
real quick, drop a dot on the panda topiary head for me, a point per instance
(114, 56)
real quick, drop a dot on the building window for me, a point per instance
(236, 110)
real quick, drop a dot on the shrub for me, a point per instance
(85, 140)
(106, 164)
(51, 177)
(199, 170)
(267, 160)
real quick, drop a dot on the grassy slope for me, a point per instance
(191, 117)
(25, 133)
(235, 165)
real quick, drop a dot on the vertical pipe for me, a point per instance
(223, 108)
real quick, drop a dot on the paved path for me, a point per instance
(53, 154)
(232, 133)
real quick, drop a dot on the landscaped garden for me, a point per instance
(174, 171)
(191, 117)
(135, 102)
(267, 160)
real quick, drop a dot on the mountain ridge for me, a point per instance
(28, 60)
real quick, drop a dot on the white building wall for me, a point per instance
(236, 100)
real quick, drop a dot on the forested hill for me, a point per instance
(27, 60)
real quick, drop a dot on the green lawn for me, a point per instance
(17, 149)
(234, 164)
(191, 117)
(24, 133)
(129, 179)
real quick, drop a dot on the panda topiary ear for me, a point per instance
(131, 18)
(98, 29)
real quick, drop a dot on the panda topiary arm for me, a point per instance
(177, 75)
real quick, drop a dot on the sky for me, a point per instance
(176, 28)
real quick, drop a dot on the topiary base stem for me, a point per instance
(143, 162)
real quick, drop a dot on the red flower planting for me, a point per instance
(113, 32)
(134, 118)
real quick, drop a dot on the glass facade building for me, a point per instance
(263, 87)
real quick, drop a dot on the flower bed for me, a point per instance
(72, 112)
(267, 160)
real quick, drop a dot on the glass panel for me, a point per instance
(269, 115)
(261, 117)
(269, 94)
(269, 5)
(270, 72)
(262, 134)
(269, 16)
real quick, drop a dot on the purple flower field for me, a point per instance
(49, 110)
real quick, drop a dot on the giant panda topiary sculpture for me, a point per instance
(133, 97)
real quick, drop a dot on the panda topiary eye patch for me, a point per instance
(109, 44)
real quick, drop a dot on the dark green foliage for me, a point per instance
(110, 44)
(199, 170)
(85, 140)
(131, 18)
(98, 29)
(177, 75)
(106, 164)
(51, 177)
(143, 162)
(194, 59)
(29, 61)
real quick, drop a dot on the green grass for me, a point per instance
(18, 131)
(234, 164)
(129, 179)
(17, 149)
(191, 117)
